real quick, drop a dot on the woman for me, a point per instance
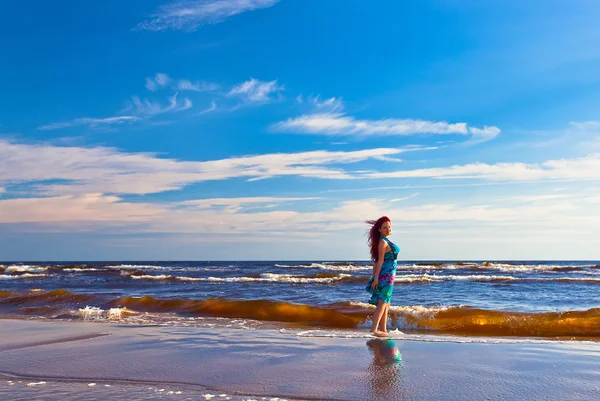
(381, 285)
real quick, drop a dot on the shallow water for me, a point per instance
(139, 361)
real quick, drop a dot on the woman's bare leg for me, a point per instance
(383, 322)
(377, 315)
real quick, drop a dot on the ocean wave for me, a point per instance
(24, 269)
(262, 278)
(21, 276)
(502, 267)
(97, 313)
(452, 319)
(414, 278)
(335, 266)
(463, 320)
(125, 266)
(82, 269)
(41, 297)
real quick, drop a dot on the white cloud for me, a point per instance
(225, 216)
(149, 108)
(340, 124)
(403, 199)
(107, 170)
(584, 168)
(240, 201)
(91, 122)
(236, 204)
(189, 15)
(331, 105)
(586, 126)
(142, 108)
(536, 198)
(592, 199)
(161, 80)
(255, 91)
(210, 109)
(197, 86)
(79, 209)
(484, 134)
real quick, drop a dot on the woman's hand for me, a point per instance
(375, 283)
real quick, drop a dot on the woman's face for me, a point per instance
(386, 228)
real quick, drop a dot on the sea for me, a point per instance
(515, 299)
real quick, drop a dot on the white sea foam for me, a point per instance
(25, 268)
(417, 311)
(21, 276)
(150, 277)
(335, 266)
(340, 267)
(80, 269)
(485, 278)
(137, 267)
(264, 278)
(504, 267)
(399, 335)
(94, 313)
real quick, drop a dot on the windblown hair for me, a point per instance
(375, 235)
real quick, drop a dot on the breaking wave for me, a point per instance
(462, 320)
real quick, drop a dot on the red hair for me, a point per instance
(375, 235)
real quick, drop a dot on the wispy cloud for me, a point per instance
(189, 15)
(210, 109)
(536, 198)
(224, 216)
(404, 198)
(255, 91)
(584, 168)
(161, 80)
(107, 170)
(331, 105)
(91, 122)
(143, 110)
(196, 86)
(332, 123)
(149, 108)
(237, 204)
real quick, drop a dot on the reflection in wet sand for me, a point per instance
(384, 372)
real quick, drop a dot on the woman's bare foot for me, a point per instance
(379, 334)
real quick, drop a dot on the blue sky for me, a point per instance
(271, 129)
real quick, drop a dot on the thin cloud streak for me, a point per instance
(149, 108)
(161, 80)
(189, 15)
(108, 170)
(255, 91)
(91, 122)
(143, 109)
(210, 109)
(584, 168)
(340, 124)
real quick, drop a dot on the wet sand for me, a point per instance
(139, 361)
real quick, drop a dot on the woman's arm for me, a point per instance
(377, 266)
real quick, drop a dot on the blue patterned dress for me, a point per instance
(387, 274)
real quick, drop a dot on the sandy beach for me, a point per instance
(75, 360)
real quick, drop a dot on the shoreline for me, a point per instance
(274, 363)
